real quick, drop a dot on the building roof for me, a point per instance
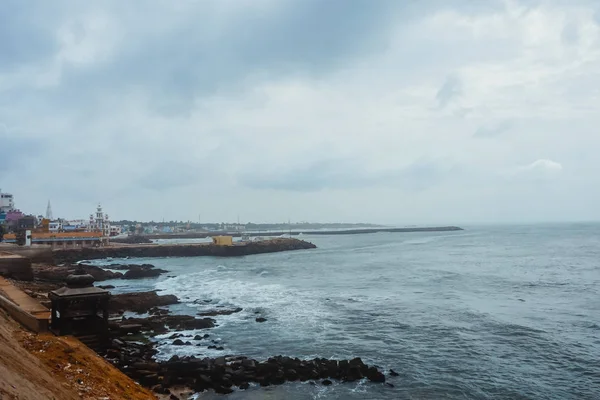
(81, 291)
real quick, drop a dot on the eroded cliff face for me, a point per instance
(40, 367)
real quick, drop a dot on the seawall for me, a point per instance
(203, 235)
(180, 250)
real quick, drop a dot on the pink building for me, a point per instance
(14, 215)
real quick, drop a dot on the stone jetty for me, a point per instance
(181, 250)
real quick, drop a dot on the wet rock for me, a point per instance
(222, 389)
(143, 271)
(244, 386)
(178, 342)
(160, 389)
(140, 302)
(393, 373)
(327, 382)
(374, 375)
(261, 319)
(213, 313)
(54, 273)
(106, 287)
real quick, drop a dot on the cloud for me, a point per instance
(262, 107)
(345, 174)
(542, 170)
(493, 130)
(451, 89)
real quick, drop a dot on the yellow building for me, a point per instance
(223, 240)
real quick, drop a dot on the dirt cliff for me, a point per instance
(39, 367)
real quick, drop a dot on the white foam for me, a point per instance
(283, 306)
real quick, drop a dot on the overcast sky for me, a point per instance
(399, 112)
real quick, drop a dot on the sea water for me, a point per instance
(504, 312)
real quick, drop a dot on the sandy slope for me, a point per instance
(39, 367)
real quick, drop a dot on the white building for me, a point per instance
(100, 223)
(7, 202)
(55, 226)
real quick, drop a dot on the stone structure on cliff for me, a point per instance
(80, 309)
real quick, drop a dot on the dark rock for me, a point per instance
(327, 382)
(244, 386)
(105, 287)
(138, 272)
(261, 319)
(140, 301)
(160, 389)
(374, 375)
(178, 342)
(53, 273)
(173, 397)
(222, 389)
(291, 375)
(213, 313)
(389, 385)
(220, 361)
(393, 373)
(198, 337)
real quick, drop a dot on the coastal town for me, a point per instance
(56, 297)
(59, 313)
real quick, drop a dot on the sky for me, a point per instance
(392, 112)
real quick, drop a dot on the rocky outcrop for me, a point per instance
(213, 313)
(54, 273)
(188, 250)
(15, 267)
(140, 302)
(159, 324)
(143, 271)
(223, 373)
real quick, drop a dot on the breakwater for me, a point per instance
(203, 235)
(181, 250)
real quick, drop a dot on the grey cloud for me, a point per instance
(493, 129)
(349, 174)
(17, 151)
(570, 33)
(451, 88)
(25, 32)
(190, 60)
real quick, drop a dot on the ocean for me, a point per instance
(498, 312)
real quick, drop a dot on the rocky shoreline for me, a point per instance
(180, 250)
(136, 358)
(133, 345)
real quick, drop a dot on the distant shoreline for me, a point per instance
(203, 235)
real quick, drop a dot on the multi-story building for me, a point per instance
(7, 202)
(99, 223)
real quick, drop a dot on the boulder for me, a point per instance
(213, 313)
(140, 302)
(374, 375)
(139, 272)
